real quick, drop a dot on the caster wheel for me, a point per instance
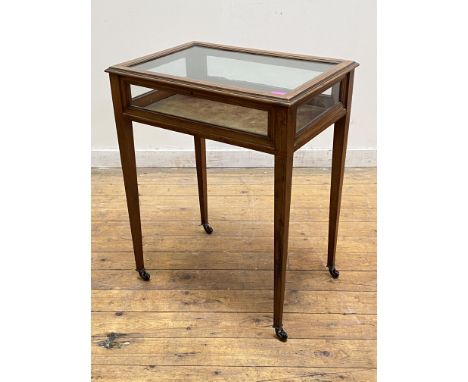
(143, 274)
(281, 334)
(208, 228)
(334, 272)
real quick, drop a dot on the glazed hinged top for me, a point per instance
(269, 76)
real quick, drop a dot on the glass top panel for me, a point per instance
(273, 75)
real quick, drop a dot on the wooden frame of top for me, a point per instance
(299, 94)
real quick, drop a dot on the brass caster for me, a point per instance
(143, 274)
(334, 272)
(281, 334)
(208, 228)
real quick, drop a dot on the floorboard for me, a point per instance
(206, 313)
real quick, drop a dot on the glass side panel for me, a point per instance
(247, 71)
(316, 106)
(201, 110)
(136, 90)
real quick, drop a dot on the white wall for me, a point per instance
(123, 29)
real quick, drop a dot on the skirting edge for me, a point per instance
(232, 158)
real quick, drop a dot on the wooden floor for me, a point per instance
(206, 314)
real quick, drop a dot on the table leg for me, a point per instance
(283, 179)
(338, 161)
(200, 159)
(340, 139)
(127, 157)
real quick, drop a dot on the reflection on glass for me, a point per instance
(273, 75)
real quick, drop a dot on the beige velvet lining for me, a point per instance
(231, 116)
(216, 113)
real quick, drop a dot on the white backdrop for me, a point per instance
(122, 30)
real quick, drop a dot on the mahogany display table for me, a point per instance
(266, 101)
